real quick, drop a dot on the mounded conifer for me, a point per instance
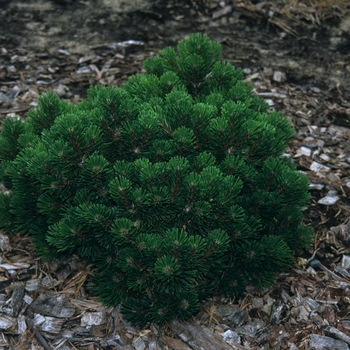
(172, 188)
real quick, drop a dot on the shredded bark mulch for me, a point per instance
(295, 54)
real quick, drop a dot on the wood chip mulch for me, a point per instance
(47, 305)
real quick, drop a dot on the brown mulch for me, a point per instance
(309, 306)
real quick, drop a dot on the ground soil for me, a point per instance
(316, 54)
(309, 46)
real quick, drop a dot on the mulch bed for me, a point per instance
(309, 306)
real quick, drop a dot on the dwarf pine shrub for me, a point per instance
(172, 187)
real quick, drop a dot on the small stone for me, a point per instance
(314, 263)
(279, 76)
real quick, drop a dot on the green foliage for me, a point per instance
(172, 188)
